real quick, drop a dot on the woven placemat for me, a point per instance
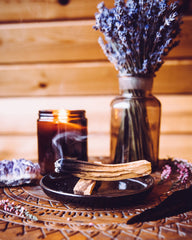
(58, 220)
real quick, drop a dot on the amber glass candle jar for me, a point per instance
(61, 134)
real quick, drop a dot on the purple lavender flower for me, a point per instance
(146, 29)
(183, 171)
(180, 169)
(166, 172)
(18, 210)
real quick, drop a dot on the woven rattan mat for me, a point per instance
(66, 221)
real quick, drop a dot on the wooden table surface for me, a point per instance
(67, 221)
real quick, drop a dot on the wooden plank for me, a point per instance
(177, 146)
(49, 42)
(184, 49)
(18, 115)
(58, 79)
(26, 146)
(176, 114)
(18, 147)
(92, 78)
(64, 41)
(174, 77)
(32, 10)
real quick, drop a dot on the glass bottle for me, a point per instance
(61, 134)
(135, 122)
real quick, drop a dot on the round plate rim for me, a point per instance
(94, 197)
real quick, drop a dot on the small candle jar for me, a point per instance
(61, 134)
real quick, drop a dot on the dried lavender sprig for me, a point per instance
(166, 172)
(184, 169)
(18, 210)
(179, 166)
(138, 34)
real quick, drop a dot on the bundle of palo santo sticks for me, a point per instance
(89, 173)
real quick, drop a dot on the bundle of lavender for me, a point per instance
(138, 36)
(138, 33)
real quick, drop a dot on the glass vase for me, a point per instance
(135, 122)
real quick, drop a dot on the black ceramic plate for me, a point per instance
(105, 194)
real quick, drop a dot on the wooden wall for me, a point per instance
(50, 59)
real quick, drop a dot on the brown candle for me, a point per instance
(61, 134)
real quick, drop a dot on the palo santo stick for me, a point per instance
(84, 187)
(103, 172)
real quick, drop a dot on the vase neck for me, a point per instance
(135, 83)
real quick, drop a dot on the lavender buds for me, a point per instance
(18, 210)
(180, 169)
(138, 34)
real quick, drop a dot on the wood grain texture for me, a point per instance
(32, 10)
(92, 78)
(18, 124)
(173, 145)
(64, 41)
(49, 42)
(42, 10)
(176, 146)
(18, 115)
(101, 171)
